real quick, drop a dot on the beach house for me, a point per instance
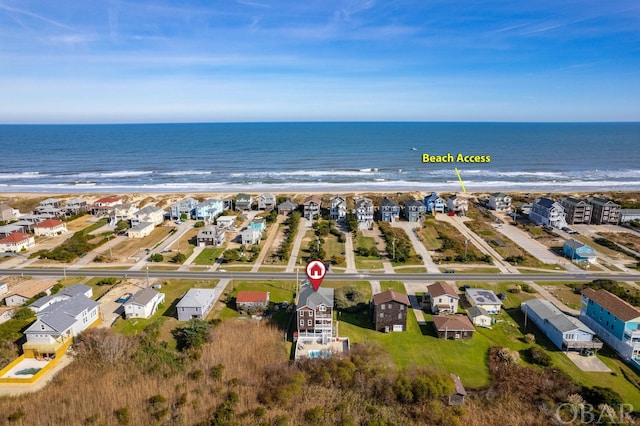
(390, 311)
(140, 230)
(414, 210)
(500, 202)
(565, 331)
(364, 213)
(579, 252)
(453, 327)
(338, 208)
(7, 213)
(443, 298)
(545, 211)
(50, 228)
(251, 236)
(576, 211)
(17, 242)
(266, 201)
(258, 223)
(196, 303)
(614, 321)
(143, 304)
(208, 210)
(604, 211)
(211, 235)
(286, 207)
(434, 203)
(458, 204)
(186, 206)
(151, 214)
(102, 206)
(480, 317)
(389, 210)
(26, 290)
(252, 301)
(485, 299)
(244, 201)
(314, 314)
(76, 206)
(312, 206)
(124, 211)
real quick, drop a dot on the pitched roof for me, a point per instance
(387, 202)
(601, 201)
(196, 297)
(545, 202)
(74, 290)
(571, 243)
(287, 205)
(107, 200)
(60, 316)
(311, 298)
(50, 223)
(476, 311)
(252, 297)
(549, 312)
(16, 237)
(413, 203)
(440, 289)
(612, 303)
(452, 323)
(148, 210)
(457, 385)
(390, 295)
(143, 297)
(481, 296)
(312, 199)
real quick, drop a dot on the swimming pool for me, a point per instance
(317, 353)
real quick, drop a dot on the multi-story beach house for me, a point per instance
(443, 299)
(104, 205)
(16, 242)
(266, 201)
(211, 235)
(364, 213)
(434, 203)
(208, 210)
(196, 304)
(604, 211)
(287, 207)
(143, 304)
(566, 332)
(314, 314)
(458, 205)
(76, 206)
(251, 236)
(338, 208)
(500, 202)
(614, 321)
(124, 211)
(576, 211)
(390, 311)
(244, 201)
(6, 213)
(414, 210)
(151, 214)
(258, 223)
(545, 211)
(389, 210)
(312, 206)
(579, 252)
(185, 206)
(629, 215)
(141, 230)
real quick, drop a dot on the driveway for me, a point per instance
(410, 228)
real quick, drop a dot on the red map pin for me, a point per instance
(316, 272)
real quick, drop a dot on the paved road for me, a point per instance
(168, 242)
(349, 255)
(205, 275)
(271, 235)
(297, 242)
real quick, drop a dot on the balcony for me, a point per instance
(632, 335)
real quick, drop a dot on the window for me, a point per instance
(402, 307)
(382, 307)
(310, 323)
(301, 322)
(400, 315)
(322, 308)
(381, 314)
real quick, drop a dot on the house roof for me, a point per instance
(75, 290)
(440, 289)
(106, 200)
(311, 298)
(545, 202)
(76, 201)
(390, 295)
(549, 312)
(7, 229)
(477, 311)
(413, 203)
(196, 297)
(612, 303)
(61, 315)
(457, 385)
(16, 237)
(387, 202)
(452, 323)
(363, 202)
(252, 297)
(287, 205)
(573, 201)
(4, 207)
(267, 195)
(571, 243)
(433, 196)
(601, 201)
(243, 197)
(143, 297)
(50, 223)
(50, 201)
(312, 199)
(481, 296)
(149, 209)
(141, 226)
(499, 195)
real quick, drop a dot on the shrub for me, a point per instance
(539, 357)
(122, 415)
(179, 258)
(156, 257)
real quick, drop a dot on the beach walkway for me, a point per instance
(297, 242)
(349, 255)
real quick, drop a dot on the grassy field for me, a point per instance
(132, 246)
(394, 285)
(209, 255)
(334, 248)
(366, 262)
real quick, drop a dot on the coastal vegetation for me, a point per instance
(81, 243)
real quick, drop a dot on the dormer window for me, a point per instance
(322, 308)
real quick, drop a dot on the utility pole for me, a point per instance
(466, 242)
(393, 243)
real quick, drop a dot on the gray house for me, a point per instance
(266, 201)
(414, 210)
(244, 201)
(196, 303)
(389, 210)
(186, 206)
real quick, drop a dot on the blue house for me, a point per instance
(434, 203)
(566, 332)
(614, 321)
(578, 252)
(389, 210)
(209, 209)
(258, 223)
(186, 206)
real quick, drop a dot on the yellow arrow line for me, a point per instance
(460, 179)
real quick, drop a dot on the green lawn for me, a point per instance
(363, 286)
(410, 269)
(366, 262)
(395, 285)
(334, 248)
(208, 256)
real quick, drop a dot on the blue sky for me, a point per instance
(70, 61)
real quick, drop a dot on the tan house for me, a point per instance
(312, 205)
(50, 228)
(6, 213)
(141, 230)
(314, 314)
(151, 214)
(103, 206)
(458, 205)
(25, 290)
(17, 242)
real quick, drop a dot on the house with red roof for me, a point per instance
(103, 206)
(252, 301)
(17, 242)
(50, 228)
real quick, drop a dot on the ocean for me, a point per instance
(226, 157)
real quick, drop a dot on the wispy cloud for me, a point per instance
(23, 12)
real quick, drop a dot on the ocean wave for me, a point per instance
(308, 173)
(22, 175)
(187, 173)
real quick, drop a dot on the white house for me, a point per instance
(123, 212)
(16, 242)
(151, 214)
(196, 303)
(479, 316)
(500, 202)
(50, 228)
(364, 213)
(545, 211)
(458, 205)
(64, 294)
(443, 298)
(25, 290)
(226, 221)
(143, 304)
(266, 201)
(485, 299)
(251, 236)
(211, 235)
(141, 230)
(338, 207)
